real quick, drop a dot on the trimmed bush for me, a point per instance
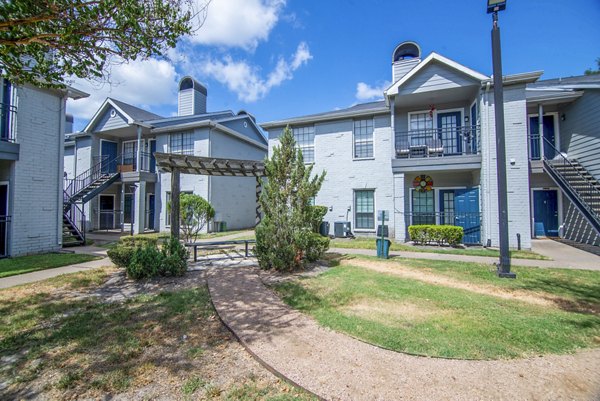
(121, 255)
(138, 240)
(316, 216)
(442, 234)
(316, 247)
(174, 258)
(145, 263)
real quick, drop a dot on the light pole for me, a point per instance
(493, 6)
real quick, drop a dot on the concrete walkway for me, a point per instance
(337, 367)
(33, 277)
(563, 256)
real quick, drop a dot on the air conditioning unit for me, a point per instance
(342, 229)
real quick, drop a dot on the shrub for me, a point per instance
(427, 234)
(145, 263)
(121, 255)
(316, 247)
(174, 258)
(138, 240)
(316, 216)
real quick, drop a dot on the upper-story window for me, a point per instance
(363, 138)
(420, 122)
(305, 141)
(181, 143)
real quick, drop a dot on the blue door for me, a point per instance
(150, 212)
(449, 132)
(108, 151)
(535, 141)
(545, 213)
(152, 159)
(466, 210)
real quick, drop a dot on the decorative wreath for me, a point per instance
(423, 183)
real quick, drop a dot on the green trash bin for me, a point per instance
(383, 248)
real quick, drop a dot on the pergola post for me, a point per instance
(175, 203)
(258, 191)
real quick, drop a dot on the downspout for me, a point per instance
(61, 169)
(488, 162)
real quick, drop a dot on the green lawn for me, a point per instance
(416, 317)
(82, 348)
(369, 243)
(32, 263)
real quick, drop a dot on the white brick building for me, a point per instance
(32, 124)
(112, 176)
(426, 153)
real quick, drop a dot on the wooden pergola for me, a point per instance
(177, 164)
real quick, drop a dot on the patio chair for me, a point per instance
(435, 147)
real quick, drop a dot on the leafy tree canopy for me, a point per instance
(589, 71)
(46, 41)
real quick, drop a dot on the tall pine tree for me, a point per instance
(284, 238)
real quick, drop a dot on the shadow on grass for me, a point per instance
(96, 345)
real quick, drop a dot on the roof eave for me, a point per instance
(514, 79)
(310, 119)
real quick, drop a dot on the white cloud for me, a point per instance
(238, 23)
(143, 83)
(245, 80)
(367, 92)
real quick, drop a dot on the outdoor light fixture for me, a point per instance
(493, 6)
(466, 119)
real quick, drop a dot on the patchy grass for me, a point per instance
(369, 243)
(58, 342)
(32, 263)
(418, 317)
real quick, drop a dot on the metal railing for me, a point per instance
(109, 219)
(4, 233)
(76, 217)
(8, 122)
(585, 187)
(126, 162)
(436, 142)
(469, 221)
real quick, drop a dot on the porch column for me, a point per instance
(139, 148)
(400, 214)
(541, 128)
(122, 212)
(140, 208)
(175, 203)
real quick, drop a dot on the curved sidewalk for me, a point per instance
(337, 367)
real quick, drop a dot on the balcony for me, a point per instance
(454, 148)
(9, 150)
(127, 165)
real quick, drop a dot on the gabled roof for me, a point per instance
(378, 107)
(433, 57)
(131, 113)
(576, 82)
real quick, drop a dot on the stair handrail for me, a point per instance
(591, 188)
(75, 185)
(73, 213)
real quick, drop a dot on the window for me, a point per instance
(363, 138)
(129, 152)
(423, 209)
(305, 141)
(168, 203)
(420, 122)
(181, 143)
(364, 206)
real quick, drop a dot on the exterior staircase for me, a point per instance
(582, 189)
(80, 190)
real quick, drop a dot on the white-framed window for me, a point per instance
(420, 121)
(181, 143)
(364, 209)
(305, 141)
(423, 207)
(363, 138)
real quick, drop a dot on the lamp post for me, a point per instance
(493, 6)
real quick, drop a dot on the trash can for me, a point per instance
(383, 248)
(324, 228)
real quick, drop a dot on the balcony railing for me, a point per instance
(8, 121)
(437, 142)
(126, 162)
(469, 221)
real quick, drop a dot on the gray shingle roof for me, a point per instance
(135, 112)
(328, 115)
(580, 81)
(171, 121)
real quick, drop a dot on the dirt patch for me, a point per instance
(400, 270)
(392, 313)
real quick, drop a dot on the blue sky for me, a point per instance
(284, 58)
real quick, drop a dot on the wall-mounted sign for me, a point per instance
(423, 183)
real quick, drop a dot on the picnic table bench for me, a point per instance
(204, 244)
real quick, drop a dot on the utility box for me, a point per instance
(342, 229)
